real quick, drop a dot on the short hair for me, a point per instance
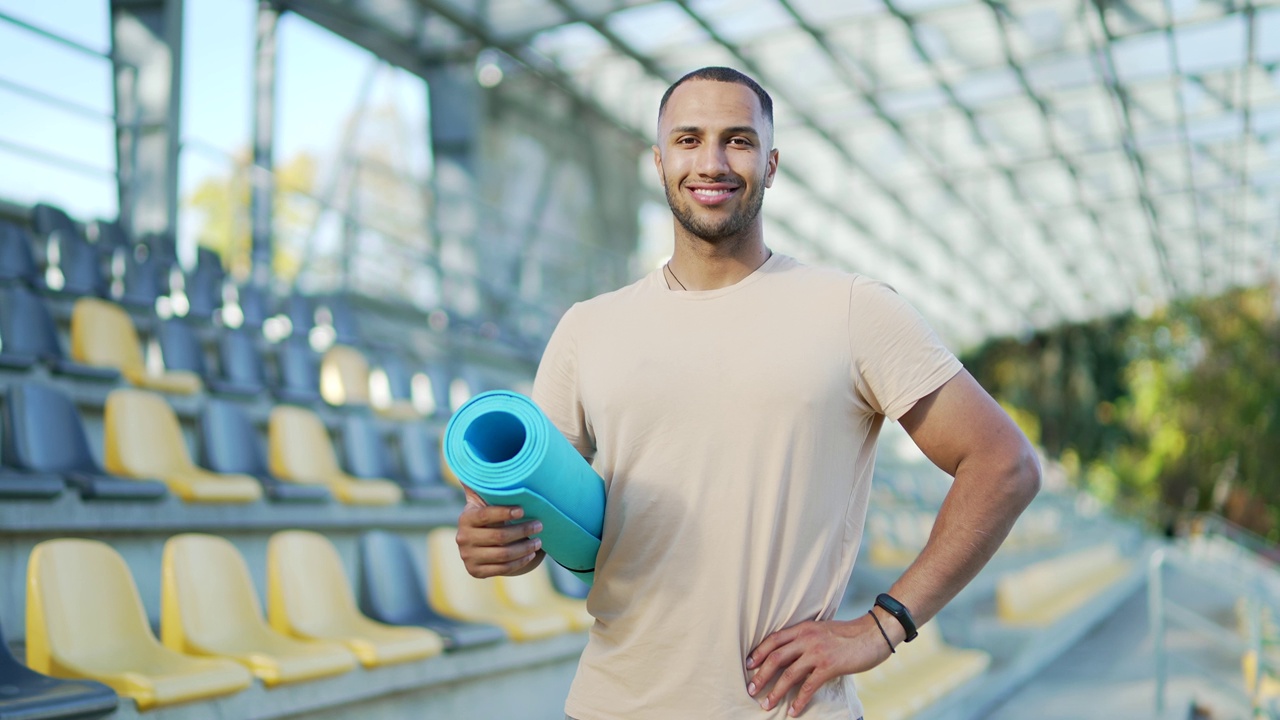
(725, 75)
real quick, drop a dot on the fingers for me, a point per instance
(490, 543)
(804, 657)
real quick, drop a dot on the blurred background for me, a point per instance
(391, 203)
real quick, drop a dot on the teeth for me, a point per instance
(712, 193)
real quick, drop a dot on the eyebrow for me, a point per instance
(737, 130)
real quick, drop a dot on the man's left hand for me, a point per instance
(811, 654)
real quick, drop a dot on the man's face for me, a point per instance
(714, 157)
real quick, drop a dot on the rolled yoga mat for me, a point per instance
(502, 446)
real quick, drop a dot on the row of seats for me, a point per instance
(115, 267)
(895, 536)
(1045, 591)
(85, 619)
(145, 456)
(105, 345)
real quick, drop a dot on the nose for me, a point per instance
(712, 162)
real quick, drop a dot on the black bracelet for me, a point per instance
(872, 613)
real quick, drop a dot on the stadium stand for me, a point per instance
(917, 676)
(391, 388)
(103, 335)
(422, 464)
(28, 695)
(230, 445)
(391, 591)
(299, 372)
(43, 434)
(1043, 592)
(308, 597)
(85, 620)
(73, 266)
(141, 278)
(29, 335)
(534, 591)
(209, 607)
(241, 369)
(203, 286)
(300, 450)
(252, 303)
(144, 440)
(454, 593)
(17, 263)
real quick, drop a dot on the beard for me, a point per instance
(714, 229)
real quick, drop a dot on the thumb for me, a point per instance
(473, 498)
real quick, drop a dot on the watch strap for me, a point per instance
(891, 605)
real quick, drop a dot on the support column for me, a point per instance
(147, 34)
(262, 177)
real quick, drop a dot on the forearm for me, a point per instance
(986, 498)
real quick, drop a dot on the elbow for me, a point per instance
(1023, 475)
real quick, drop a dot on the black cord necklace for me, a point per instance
(673, 276)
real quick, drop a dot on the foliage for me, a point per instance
(1179, 410)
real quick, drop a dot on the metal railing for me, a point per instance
(128, 126)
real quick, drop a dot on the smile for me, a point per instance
(711, 196)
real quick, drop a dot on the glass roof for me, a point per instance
(1006, 165)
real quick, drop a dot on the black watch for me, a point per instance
(899, 611)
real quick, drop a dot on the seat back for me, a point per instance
(17, 261)
(299, 367)
(49, 220)
(363, 448)
(26, 327)
(142, 437)
(301, 313)
(228, 441)
(450, 587)
(43, 432)
(391, 588)
(102, 334)
(344, 376)
(307, 588)
(239, 359)
(207, 595)
(254, 305)
(399, 379)
(145, 277)
(204, 285)
(180, 347)
(346, 327)
(298, 446)
(83, 607)
(533, 590)
(79, 263)
(420, 455)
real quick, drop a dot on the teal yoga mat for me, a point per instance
(502, 446)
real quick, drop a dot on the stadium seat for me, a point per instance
(454, 593)
(420, 456)
(143, 439)
(73, 264)
(301, 313)
(85, 620)
(102, 334)
(17, 261)
(183, 351)
(344, 377)
(308, 597)
(240, 364)
(391, 591)
(229, 444)
(27, 695)
(254, 305)
(391, 389)
(203, 285)
(367, 456)
(919, 675)
(208, 606)
(144, 278)
(28, 335)
(299, 372)
(299, 450)
(534, 592)
(1043, 592)
(43, 434)
(340, 316)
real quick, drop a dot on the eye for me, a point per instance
(740, 141)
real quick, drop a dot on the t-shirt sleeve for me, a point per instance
(897, 357)
(556, 389)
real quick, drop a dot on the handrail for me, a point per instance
(65, 41)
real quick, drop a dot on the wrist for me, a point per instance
(889, 626)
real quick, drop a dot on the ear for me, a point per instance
(657, 164)
(772, 168)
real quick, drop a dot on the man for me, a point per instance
(731, 401)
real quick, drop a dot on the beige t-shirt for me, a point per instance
(735, 430)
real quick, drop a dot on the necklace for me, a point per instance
(673, 277)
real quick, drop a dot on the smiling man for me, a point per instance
(732, 400)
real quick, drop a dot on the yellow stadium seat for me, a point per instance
(454, 593)
(102, 334)
(85, 620)
(209, 606)
(534, 591)
(1043, 592)
(344, 376)
(300, 451)
(308, 597)
(143, 440)
(921, 673)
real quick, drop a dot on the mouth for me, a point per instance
(712, 194)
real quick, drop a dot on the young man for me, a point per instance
(731, 401)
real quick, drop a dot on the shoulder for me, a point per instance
(606, 307)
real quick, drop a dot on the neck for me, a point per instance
(702, 265)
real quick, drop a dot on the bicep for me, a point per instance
(959, 421)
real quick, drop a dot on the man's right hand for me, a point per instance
(491, 542)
